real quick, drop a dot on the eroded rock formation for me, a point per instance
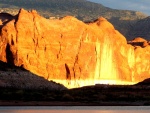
(71, 52)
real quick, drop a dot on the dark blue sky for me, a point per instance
(137, 5)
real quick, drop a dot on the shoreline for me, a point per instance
(58, 103)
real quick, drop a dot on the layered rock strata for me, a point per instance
(71, 52)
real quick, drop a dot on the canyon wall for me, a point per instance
(73, 53)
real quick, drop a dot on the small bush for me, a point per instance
(67, 97)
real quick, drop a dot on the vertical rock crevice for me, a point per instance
(76, 65)
(9, 55)
(68, 76)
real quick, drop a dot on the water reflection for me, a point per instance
(88, 109)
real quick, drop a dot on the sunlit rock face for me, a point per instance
(71, 52)
(141, 58)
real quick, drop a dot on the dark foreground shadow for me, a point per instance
(17, 77)
(20, 87)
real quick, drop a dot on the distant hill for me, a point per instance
(140, 29)
(123, 20)
(82, 9)
(133, 28)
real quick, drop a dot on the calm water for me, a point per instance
(80, 109)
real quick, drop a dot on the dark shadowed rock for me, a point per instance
(17, 77)
(4, 18)
(145, 82)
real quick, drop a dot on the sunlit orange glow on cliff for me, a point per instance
(73, 53)
(81, 83)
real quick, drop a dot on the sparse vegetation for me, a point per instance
(82, 9)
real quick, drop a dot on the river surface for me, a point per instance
(75, 109)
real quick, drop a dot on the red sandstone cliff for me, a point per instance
(71, 52)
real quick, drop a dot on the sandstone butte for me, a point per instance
(71, 52)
